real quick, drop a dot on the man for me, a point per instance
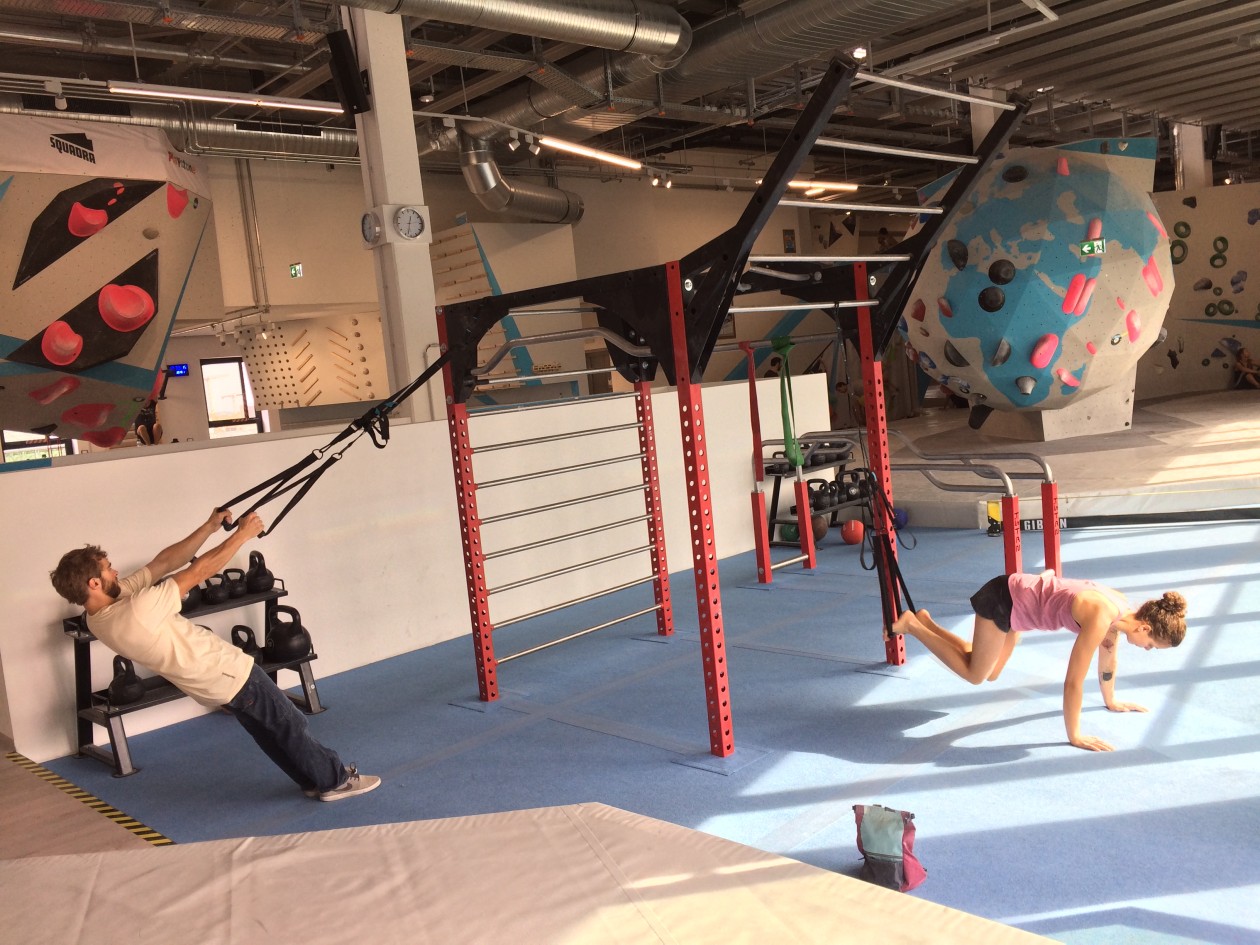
(140, 620)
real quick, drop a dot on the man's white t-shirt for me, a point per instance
(145, 625)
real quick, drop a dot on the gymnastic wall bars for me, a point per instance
(676, 311)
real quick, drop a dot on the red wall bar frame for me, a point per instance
(652, 504)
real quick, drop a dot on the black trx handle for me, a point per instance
(375, 423)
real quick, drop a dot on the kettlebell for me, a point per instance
(216, 590)
(243, 637)
(287, 639)
(126, 686)
(192, 601)
(235, 580)
(258, 579)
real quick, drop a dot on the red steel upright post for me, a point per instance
(1050, 526)
(761, 521)
(703, 538)
(470, 533)
(877, 440)
(652, 502)
(1012, 541)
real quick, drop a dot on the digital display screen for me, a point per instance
(177, 370)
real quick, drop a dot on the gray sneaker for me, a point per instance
(354, 783)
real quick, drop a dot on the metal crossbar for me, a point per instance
(580, 633)
(569, 570)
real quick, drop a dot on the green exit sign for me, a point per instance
(295, 270)
(1093, 247)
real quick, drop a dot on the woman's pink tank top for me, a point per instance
(1044, 601)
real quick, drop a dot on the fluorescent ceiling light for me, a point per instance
(820, 186)
(143, 90)
(561, 145)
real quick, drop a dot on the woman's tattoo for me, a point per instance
(1107, 677)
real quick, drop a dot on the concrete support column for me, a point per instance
(391, 176)
(983, 117)
(1193, 168)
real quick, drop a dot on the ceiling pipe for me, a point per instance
(85, 43)
(496, 193)
(721, 54)
(171, 14)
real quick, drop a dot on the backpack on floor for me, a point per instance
(885, 838)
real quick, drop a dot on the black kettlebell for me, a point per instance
(216, 590)
(126, 686)
(243, 637)
(192, 600)
(287, 639)
(235, 580)
(258, 579)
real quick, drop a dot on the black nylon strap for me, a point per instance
(375, 423)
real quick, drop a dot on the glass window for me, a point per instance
(19, 447)
(229, 398)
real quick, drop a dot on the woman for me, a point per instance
(1246, 370)
(1098, 616)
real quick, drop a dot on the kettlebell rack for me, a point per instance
(93, 707)
(826, 451)
(476, 557)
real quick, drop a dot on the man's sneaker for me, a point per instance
(311, 792)
(354, 783)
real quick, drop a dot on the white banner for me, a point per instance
(96, 149)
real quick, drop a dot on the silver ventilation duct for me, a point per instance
(174, 15)
(88, 43)
(722, 53)
(543, 204)
(211, 136)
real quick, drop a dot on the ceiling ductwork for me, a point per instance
(735, 48)
(496, 193)
(175, 16)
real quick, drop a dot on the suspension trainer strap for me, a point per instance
(375, 423)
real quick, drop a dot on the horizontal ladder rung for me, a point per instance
(580, 633)
(555, 437)
(569, 603)
(561, 505)
(897, 152)
(784, 563)
(565, 537)
(569, 570)
(875, 257)
(560, 470)
(873, 207)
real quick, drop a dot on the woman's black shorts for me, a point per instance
(993, 602)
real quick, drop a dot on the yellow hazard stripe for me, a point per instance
(73, 790)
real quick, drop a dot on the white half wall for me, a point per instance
(371, 558)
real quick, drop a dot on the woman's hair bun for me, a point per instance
(1173, 604)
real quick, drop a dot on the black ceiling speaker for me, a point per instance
(347, 79)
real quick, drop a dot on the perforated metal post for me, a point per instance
(703, 538)
(805, 522)
(652, 503)
(877, 440)
(470, 534)
(1050, 526)
(1012, 542)
(761, 521)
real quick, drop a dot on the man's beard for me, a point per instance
(112, 590)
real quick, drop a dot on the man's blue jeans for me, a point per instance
(280, 730)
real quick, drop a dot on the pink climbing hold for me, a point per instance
(1043, 351)
(85, 221)
(1134, 324)
(58, 388)
(61, 344)
(176, 200)
(1063, 167)
(918, 310)
(1095, 229)
(87, 415)
(1082, 301)
(105, 439)
(1074, 289)
(1067, 378)
(944, 307)
(1154, 281)
(125, 307)
(1157, 223)
(1091, 347)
